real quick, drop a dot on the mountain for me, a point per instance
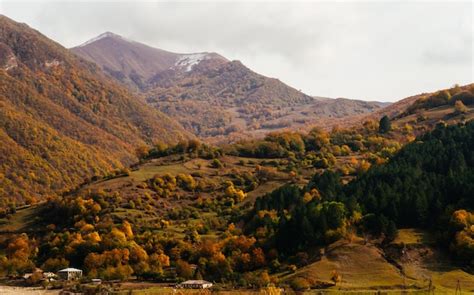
(62, 120)
(133, 63)
(212, 97)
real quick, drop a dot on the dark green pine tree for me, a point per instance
(385, 125)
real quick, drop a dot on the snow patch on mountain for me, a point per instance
(102, 36)
(190, 60)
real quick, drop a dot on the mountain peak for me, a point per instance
(103, 36)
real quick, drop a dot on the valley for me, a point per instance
(192, 200)
(128, 169)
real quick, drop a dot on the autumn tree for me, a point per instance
(184, 269)
(141, 152)
(54, 264)
(460, 108)
(18, 253)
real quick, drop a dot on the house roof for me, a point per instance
(70, 269)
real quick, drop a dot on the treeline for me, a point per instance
(370, 144)
(193, 148)
(320, 149)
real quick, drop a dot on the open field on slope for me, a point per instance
(20, 221)
(361, 266)
(422, 263)
(366, 268)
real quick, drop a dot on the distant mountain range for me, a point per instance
(212, 97)
(62, 120)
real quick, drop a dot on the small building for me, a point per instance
(96, 281)
(27, 275)
(70, 274)
(195, 284)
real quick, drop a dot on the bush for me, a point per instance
(216, 164)
(300, 284)
(186, 181)
(465, 97)
(460, 108)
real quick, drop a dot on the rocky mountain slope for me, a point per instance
(62, 120)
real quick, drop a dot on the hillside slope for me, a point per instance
(415, 104)
(363, 266)
(413, 110)
(61, 120)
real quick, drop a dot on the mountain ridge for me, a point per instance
(210, 96)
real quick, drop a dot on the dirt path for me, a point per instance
(10, 290)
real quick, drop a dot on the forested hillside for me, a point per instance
(428, 184)
(61, 120)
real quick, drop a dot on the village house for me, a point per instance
(195, 284)
(70, 274)
(50, 276)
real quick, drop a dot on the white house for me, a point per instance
(70, 274)
(195, 284)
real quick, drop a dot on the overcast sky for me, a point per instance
(365, 50)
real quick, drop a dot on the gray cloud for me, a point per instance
(366, 50)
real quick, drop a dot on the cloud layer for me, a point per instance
(366, 50)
